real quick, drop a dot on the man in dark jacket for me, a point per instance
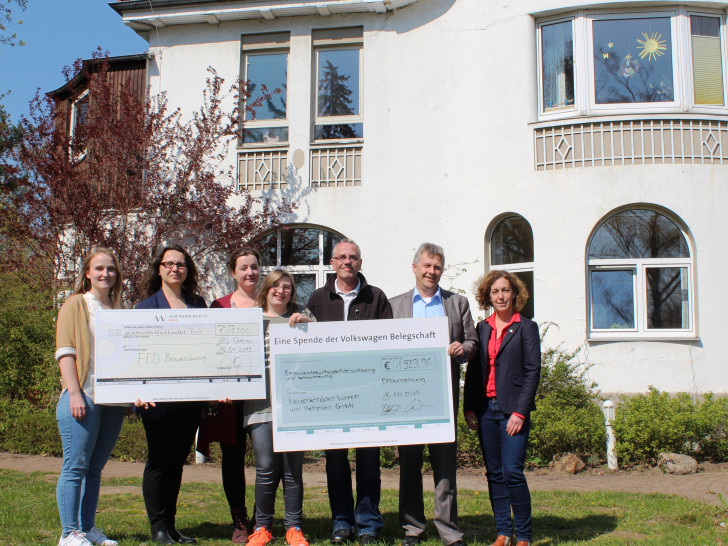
(348, 297)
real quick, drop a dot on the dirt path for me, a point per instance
(704, 486)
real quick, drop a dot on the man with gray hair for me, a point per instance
(427, 299)
(348, 296)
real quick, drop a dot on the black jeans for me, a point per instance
(169, 439)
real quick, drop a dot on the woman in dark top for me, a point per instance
(170, 427)
(500, 393)
(226, 426)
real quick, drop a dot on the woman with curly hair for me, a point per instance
(500, 393)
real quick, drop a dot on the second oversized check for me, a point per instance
(360, 384)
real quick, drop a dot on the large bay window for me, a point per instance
(640, 277)
(265, 69)
(594, 63)
(337, 54)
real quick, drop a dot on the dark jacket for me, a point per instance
(371, 303)
(517, 369)
(159, 301)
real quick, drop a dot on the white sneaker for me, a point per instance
(76, 538)
(97, 536)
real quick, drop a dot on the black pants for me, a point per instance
(169, 439)
(233, 464)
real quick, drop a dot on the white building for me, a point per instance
(584, 146)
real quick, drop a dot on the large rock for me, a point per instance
(567, 462)
(676, 463)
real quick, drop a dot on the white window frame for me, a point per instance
(642, 107)
(514, 267)
(334, 43)
(639, 267)
(76, 156)
(584, 91)
(257, 46)
(689, 84)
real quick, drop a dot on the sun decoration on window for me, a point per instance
(652, 46)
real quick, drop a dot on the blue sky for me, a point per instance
(56, 33)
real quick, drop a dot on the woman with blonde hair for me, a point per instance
(88, 431)
(277, 298)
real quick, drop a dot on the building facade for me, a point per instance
(582, 146)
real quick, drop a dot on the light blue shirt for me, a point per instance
(427, 307)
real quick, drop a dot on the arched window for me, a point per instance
(511, 248)
(639, 277)
(305, 251)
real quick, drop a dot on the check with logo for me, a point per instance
(361, 384)
(179, 355)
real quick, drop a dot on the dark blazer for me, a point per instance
(460, 322)
(517, 369)
(159, 301)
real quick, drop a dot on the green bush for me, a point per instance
(648, 424)
(31, 431)
(567, 415)
(132, 442)
(712, 419)
(470, 454)
(556, 428)
(28, 370)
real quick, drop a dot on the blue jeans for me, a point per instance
(505, 457)
(368, 488)
(87, 445)
(270, 468)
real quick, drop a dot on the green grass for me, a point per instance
(28, 515)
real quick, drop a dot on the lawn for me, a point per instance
(28, 515)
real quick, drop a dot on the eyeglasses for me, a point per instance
(170, 265)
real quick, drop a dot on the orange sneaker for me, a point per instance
(260, 537)
(294, 537)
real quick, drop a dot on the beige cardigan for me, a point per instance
(72, 330)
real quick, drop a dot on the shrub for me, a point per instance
(556, 428)
(648, 424)
(712, 419)
(469, 451)
(28, 370)
(132, 442)
(567, 416)
(31, 431)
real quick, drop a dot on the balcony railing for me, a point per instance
(262, 169)
(631, 142)
(334, 166)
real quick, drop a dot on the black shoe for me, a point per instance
(412, 540)
(341, 536)
(456, 543)
(162, 537)
(366, 538)
(179, 537)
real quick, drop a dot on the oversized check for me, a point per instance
(179, 354)
(361, 383)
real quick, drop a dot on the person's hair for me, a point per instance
(484, 284)
(245, 251)
(83, 283)
(261, 300)
(351, 242)
(153, 280)
(431, 249)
